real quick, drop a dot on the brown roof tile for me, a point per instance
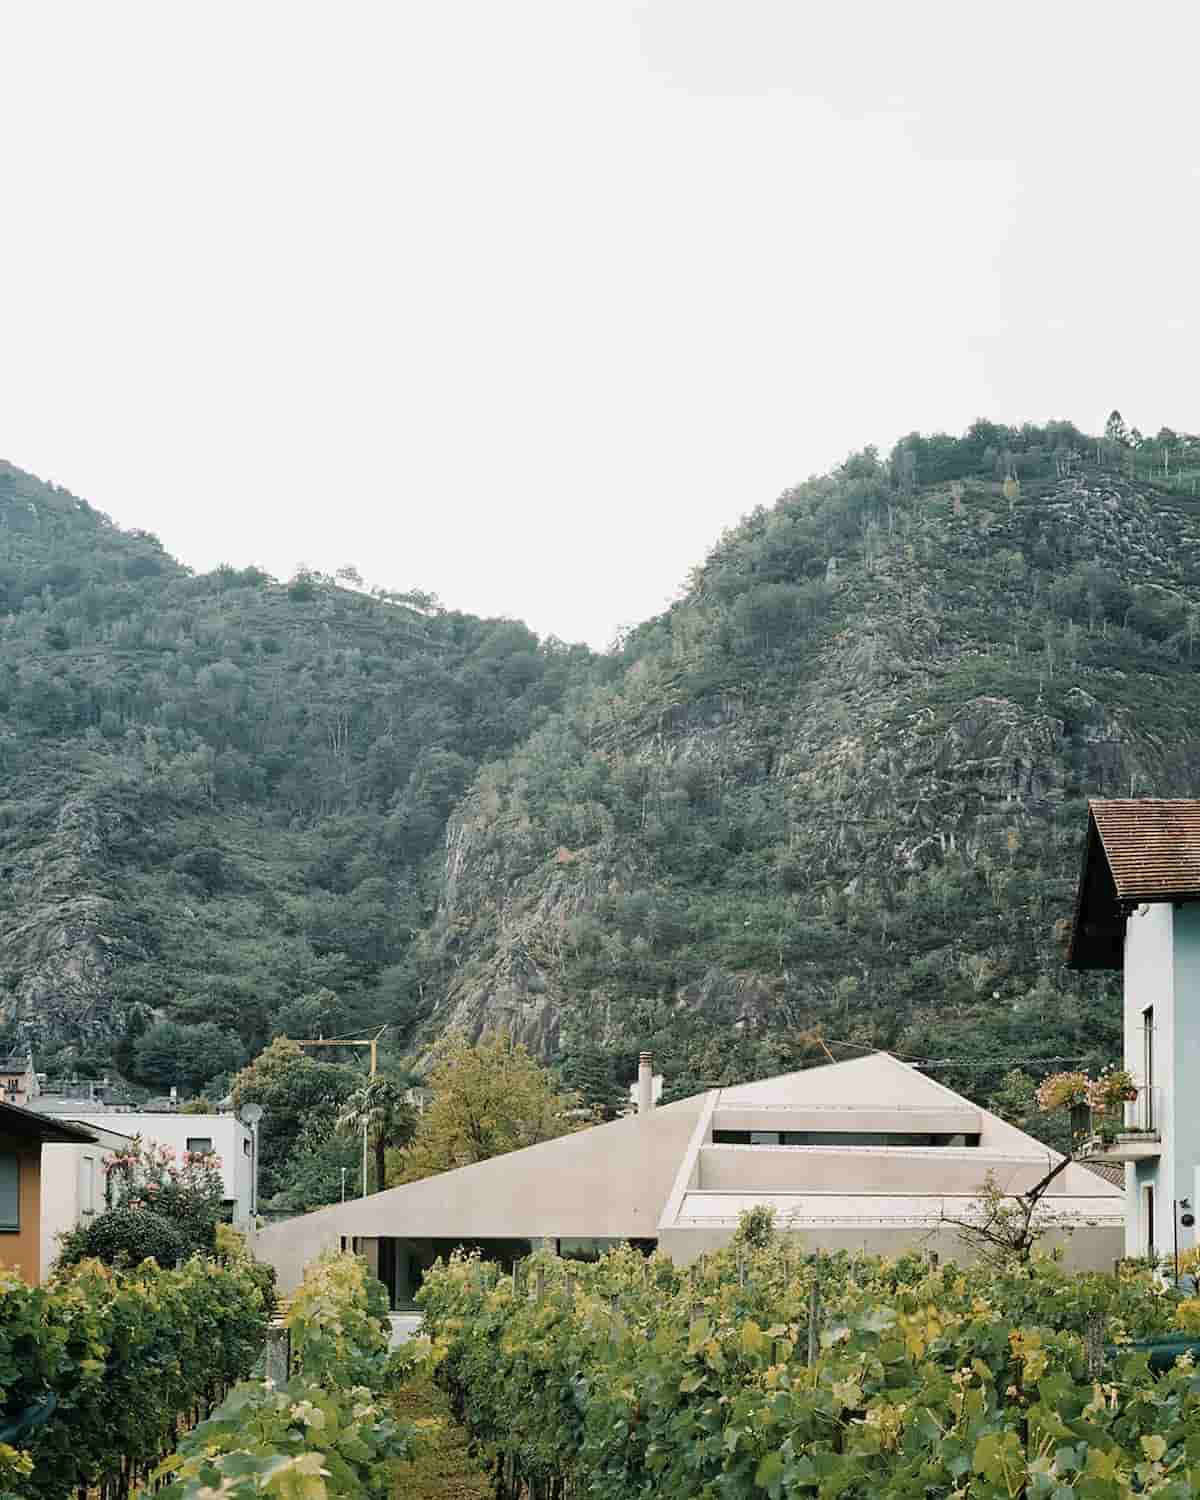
(1111, 1171)
(1152, 846)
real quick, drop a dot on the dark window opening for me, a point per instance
(840, 1138)
(10, 1190)
(199, 1145)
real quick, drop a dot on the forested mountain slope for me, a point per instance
(218, 793)
(841, 783)
(838, 786)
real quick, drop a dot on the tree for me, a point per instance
(378, 1106)
(172, 1055)
(312, 1176)
(1006, 1226)
(295, 1091)
(488, 1099)
(1115, 431)
(591, 1072)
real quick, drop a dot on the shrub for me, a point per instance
(123, 1236)
(339, 1324)
(299, 1440)
(98, 1368)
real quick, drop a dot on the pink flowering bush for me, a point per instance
(188, 1193)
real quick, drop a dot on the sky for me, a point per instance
(522, 303)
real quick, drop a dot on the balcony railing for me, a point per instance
(1142, 1113)
(1131, 1135)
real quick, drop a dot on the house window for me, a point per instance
(87, 1185)
(1148, 1209)
(10, 1190)
(199, 1144)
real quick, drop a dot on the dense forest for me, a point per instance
(833, 797)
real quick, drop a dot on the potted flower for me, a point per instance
(1114, 1086)
(1063, 1091)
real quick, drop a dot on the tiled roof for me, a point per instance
(1137, 849)
(1152, 846)
(1111, 1171)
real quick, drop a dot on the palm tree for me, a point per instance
(378, 1106)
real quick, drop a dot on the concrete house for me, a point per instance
(868, 1154)
(1138, 910)
(225, 1134)
(73, 1185)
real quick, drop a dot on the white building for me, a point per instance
(865, 1155)
(73, 1186)
(225, 1134)
(1138, 910)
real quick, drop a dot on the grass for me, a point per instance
(441, 1469)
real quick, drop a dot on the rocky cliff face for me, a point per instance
(863, 810)
(59, 933)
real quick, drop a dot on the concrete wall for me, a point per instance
(607, 1182)
(229, 1136)
(1162, 969)
(867, 1169)
(1085, 1249)
(1180, 1068)
(72, 1191)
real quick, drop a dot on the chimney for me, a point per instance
(645, 1094)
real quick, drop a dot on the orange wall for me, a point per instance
(21, 1249)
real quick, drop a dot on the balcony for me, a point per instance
(1136, 1136)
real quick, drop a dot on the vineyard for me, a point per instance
(762, 1372)
(100, 1369)
(328, 1430)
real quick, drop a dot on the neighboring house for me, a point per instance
(23, 1137)
(863, 1155)
(1138, 909)
(224, 1134)
(73, 1185)
(19, 1084)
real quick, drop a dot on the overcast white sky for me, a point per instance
(522, 301)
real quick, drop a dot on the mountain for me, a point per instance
(219, 792)
(833, 798)
(837, 796)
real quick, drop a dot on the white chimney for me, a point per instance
(645, 1094)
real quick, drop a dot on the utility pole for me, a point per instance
(373, 1043)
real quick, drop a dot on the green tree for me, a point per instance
(1115, 430)
(296, 1092)
(591, 1072)
(378, 1107)
(312, 1175)
(488, 1099)
(173, 1055)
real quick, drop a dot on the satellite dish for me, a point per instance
(252, 1113)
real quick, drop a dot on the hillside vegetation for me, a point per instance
(839, 785)
(219, 792)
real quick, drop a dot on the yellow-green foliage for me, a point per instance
(325, 1433)
(339, 1323)
(645, 1378)
(98, 1367)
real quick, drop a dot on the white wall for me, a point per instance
(72, 1188)
(1150, 981)
(230, 1140)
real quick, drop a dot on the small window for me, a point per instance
(199, 1144)
(246, 1146)
(87, 1185)
(10, 1190)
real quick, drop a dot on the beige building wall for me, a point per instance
(72, 1187)
(607, 1182)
